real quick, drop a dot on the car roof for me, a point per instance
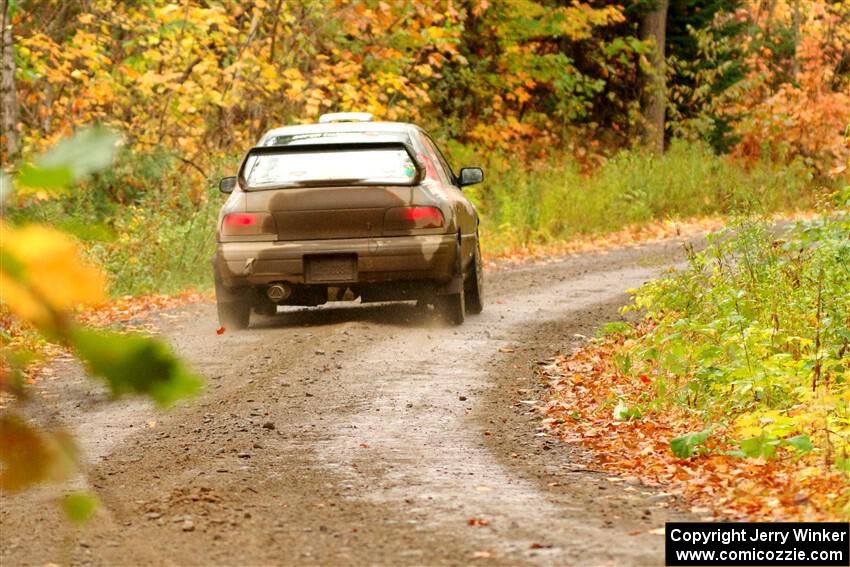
(341, 128)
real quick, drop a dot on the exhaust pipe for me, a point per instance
(278, 292)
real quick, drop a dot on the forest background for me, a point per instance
(588, 116)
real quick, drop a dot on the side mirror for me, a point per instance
(227, 184)
(470, 176)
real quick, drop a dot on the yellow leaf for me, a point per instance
(435, 32)
(52, 272)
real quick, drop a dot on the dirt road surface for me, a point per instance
(351, 435)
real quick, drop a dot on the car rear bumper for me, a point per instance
(400, 258)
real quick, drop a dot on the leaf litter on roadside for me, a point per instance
(580, 409)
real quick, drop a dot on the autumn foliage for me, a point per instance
(202, 79)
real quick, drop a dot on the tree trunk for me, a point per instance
(653, 29)
(274, 30)
(795, 27)
(8, 95)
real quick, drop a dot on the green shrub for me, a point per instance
(755, 335)
(159, 248)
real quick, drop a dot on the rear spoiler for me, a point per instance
(341, 147)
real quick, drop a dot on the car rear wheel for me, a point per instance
(234, 315)
(474, 284)
(452, 307)
(234, 309)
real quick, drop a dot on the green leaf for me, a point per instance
(88, 151)
(133, 364)
(800, 442)
(683, 447)
(761, 446)
(12, 10)
(751, 447)
(11, 265)
(622, 412)
(614, 328)
(72, 159)
(79, 506)
(53, 179)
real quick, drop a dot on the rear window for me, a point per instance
(366, 166)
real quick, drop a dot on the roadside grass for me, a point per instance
(735, 383)
(550, 201)
(151, 225)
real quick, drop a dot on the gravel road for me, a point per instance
(355, 434)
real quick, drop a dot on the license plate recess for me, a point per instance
(330, 268)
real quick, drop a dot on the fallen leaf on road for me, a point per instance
(478, 522)
(364, 445)
(506, 349)
(219, 331)
(483, 554)
(540, 546)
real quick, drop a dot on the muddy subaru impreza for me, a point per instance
(345, 209)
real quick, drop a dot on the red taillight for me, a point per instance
(240, 219)
(247, 224)
(412, 218)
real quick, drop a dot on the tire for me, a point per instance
(234, 309)
(474, 284)
(235, 315)
(452, 307)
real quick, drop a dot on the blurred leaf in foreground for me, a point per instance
(71, 160)
(43, 270)
(43, 278)
(79, 506)
(30, 456)
(136, 364)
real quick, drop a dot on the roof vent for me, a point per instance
(345, 117)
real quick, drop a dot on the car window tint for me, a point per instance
(356, 167)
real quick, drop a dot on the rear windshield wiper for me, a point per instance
(315, 183)
(327, 182)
